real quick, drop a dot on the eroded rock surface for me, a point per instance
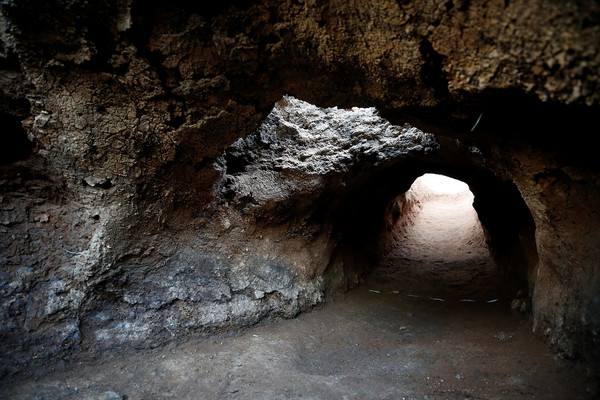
(299, 146)
(138, 205)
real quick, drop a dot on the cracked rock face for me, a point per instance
(161, 176)
(306, 144)
(301, 136)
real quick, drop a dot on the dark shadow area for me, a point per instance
(14, 144)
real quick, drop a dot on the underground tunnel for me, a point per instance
(243, 182)
(437, 244)
(434, 230)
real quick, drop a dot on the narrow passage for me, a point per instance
(438, 245)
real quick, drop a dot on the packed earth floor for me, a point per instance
(427, 324)
(363, 345)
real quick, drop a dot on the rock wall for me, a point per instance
(142, 206)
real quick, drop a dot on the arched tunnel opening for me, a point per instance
(455, 244)
(479, 243)
(383, 198)
(434, 244)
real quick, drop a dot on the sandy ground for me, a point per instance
(407, 333)
(364, 345)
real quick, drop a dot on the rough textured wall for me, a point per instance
(122, 226)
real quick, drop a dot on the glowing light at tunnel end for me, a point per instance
(443, 185)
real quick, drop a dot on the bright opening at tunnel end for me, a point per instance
(443, 185)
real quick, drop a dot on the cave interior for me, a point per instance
(169, 170)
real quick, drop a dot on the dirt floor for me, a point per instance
(428, 324)
(366, 345)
